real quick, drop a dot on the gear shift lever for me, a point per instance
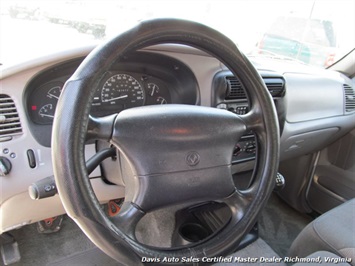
(279, 182)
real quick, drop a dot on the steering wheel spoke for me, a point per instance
(127, 219)
(238, 202)
(253, 119)
(100, 128)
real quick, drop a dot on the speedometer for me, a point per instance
(124, 90)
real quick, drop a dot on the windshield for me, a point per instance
(309, 32)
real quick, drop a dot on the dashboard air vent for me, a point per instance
(276, 86)
(235, 89)
(9, 120)
(349, 98)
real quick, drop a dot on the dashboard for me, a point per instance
(312, 107)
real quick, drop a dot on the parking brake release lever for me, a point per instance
(46, 187)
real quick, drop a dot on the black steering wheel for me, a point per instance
(187, 150)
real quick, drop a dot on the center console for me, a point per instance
(230, 94)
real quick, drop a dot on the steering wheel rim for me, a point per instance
(70, 133)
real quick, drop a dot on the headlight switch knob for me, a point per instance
(5, 166)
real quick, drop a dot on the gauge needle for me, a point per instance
(152, 91)
(117, 98)
(51, 116)
(51, 95)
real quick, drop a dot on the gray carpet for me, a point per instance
(91, 257)
(255, 254)
(156, 228)
(41, 249)
(279, 225)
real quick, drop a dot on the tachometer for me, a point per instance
(124, 90)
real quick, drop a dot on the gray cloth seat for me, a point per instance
(334, 231)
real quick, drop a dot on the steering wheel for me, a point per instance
(178, 153)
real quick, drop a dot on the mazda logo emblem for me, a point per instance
(193, 158)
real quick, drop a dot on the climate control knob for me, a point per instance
(237, 150)
(250, 147)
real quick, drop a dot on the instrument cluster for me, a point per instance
(117, 91)
(139, 78)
